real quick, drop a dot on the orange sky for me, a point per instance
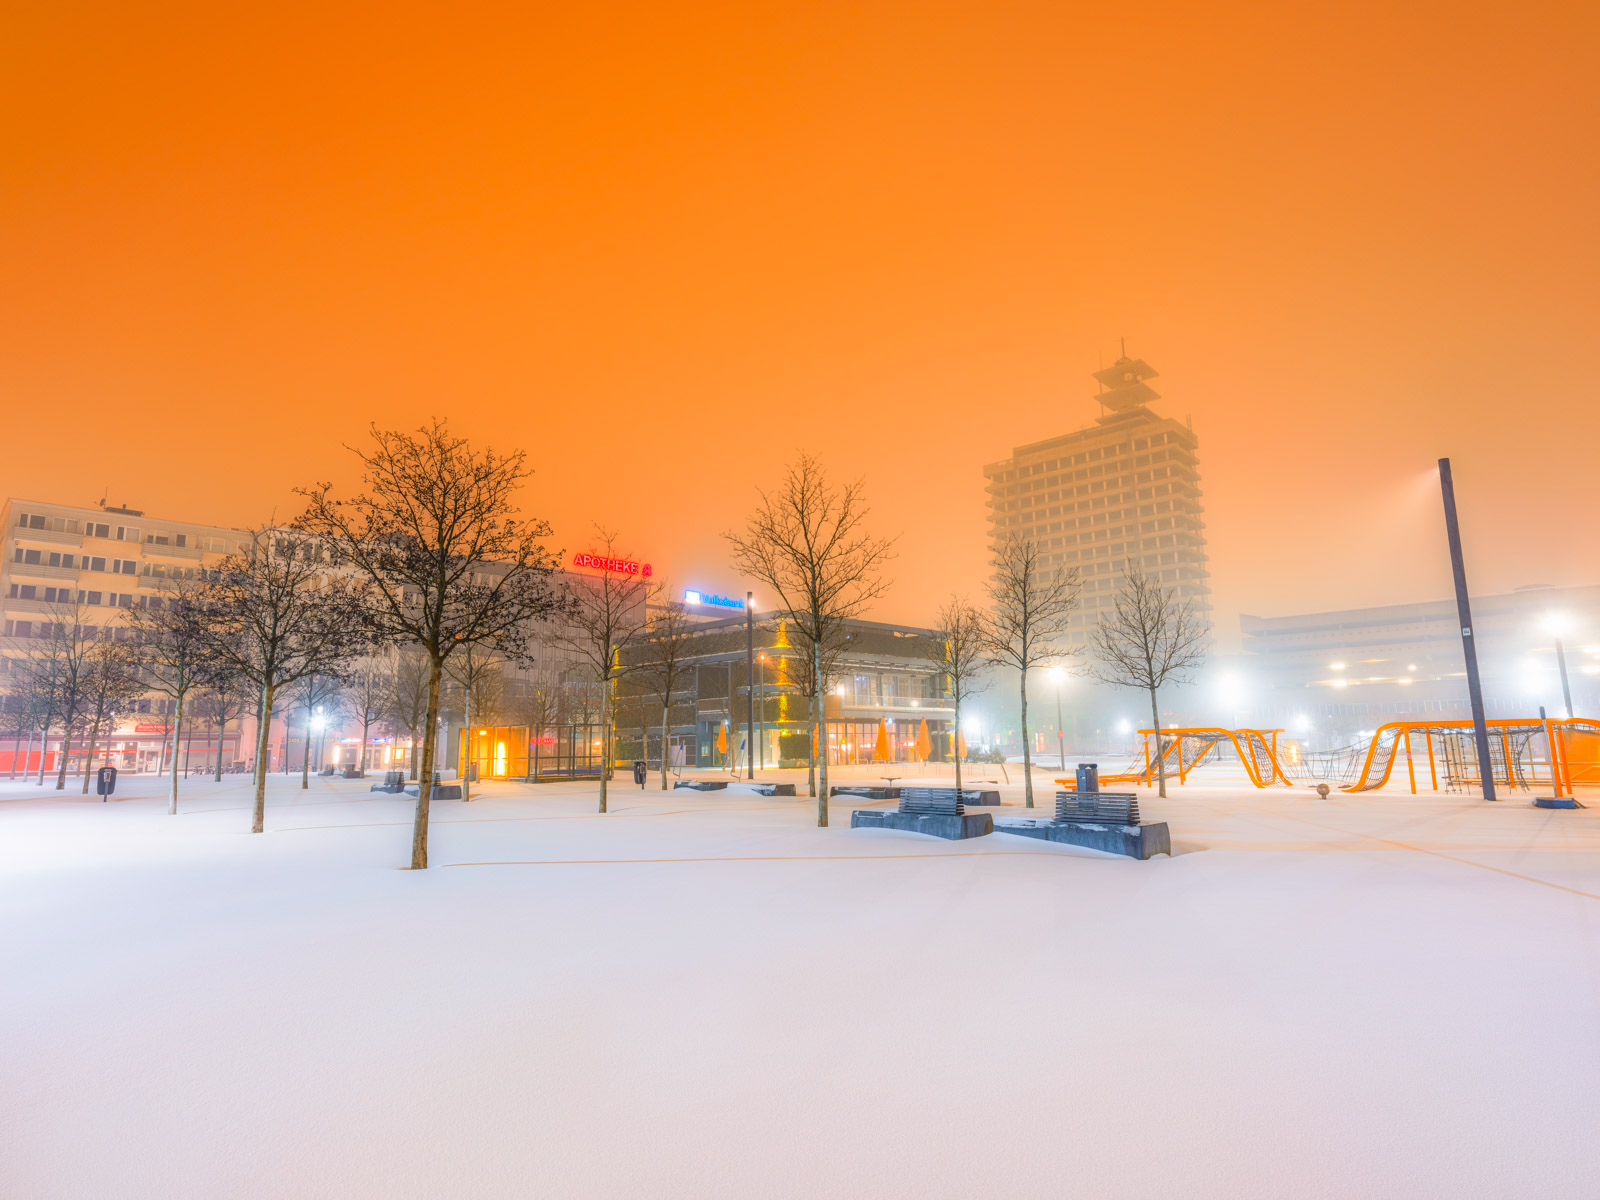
(661, 246)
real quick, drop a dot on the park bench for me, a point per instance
(938, 812)
(717, 785)
(393, 782)
(1106, 821)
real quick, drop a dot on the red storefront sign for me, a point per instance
(150, 728)
(622, 566)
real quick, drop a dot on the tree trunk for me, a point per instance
(94, 737)
(1027, 751)
(1161, 758)
(665, 726)
(366, 724)
(27, 757)
(66, 750)
(222, 728)
(188, 742)
(177, 730)
(821, 743)
(419, 825)
(411, 756)
(258, 821)
(955, 745)
(44, 744)
(305, 753)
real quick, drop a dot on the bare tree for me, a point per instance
(816, 685)
(449, 562)
(28, 703)
(808, 542)
(367, 698)
(666, 666)
(406, 697)
(606, 615)
(113, 682)
(69, 650)
(959, 652)
(279, 615)
(1150, 638)
(175, 647)
(226, 698)
(319, 695)
(1031, 606)
(477, 676)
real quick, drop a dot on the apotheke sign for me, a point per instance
(621, 566)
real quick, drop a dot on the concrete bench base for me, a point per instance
(384, 787)
(441, 791)
(1136, 841)
(939, 825)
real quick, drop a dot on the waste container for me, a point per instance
(1088, 777)
(105, 781)
(640, 769)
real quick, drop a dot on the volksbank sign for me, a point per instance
(706, 598)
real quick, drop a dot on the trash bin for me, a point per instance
(105, 781)
(640, 770)
(1088, 777)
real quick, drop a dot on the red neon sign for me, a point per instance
(622, 566)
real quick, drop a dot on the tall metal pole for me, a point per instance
(1480, 730)
(1566, 689)
(749, 682)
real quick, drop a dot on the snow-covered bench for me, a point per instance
(1099, 820)
(938, 812)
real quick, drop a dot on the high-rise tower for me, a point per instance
(1125, 488)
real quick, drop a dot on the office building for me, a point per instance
(1123, 489)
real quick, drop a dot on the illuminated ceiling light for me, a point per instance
(1336, 666)
(1411, 667)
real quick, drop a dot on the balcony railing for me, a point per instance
(48, 537)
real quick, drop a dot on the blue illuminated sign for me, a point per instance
(693, 597)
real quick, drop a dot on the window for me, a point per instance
(36, 521)
(124, 566)
(103, 531)
(181, 539)
(90, 598)
(31, 557)
(19, 629)
(93, 564)
(24, 591)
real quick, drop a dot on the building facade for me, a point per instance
(1336, 674)
(881, 676)
(92, 563)
(1124, 489)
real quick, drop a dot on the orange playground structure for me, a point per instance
(1523, 752)
(1183, 750)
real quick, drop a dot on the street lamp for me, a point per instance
(1058, 675)
(1557, 625)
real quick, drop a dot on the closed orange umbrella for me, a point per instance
(924, 742)
(881, 751)
(961, 744)
(722, 739)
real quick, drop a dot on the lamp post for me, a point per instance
(1057, 674)
(1557, 626)
(1480, 730)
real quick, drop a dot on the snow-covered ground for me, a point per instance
(703, 995)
